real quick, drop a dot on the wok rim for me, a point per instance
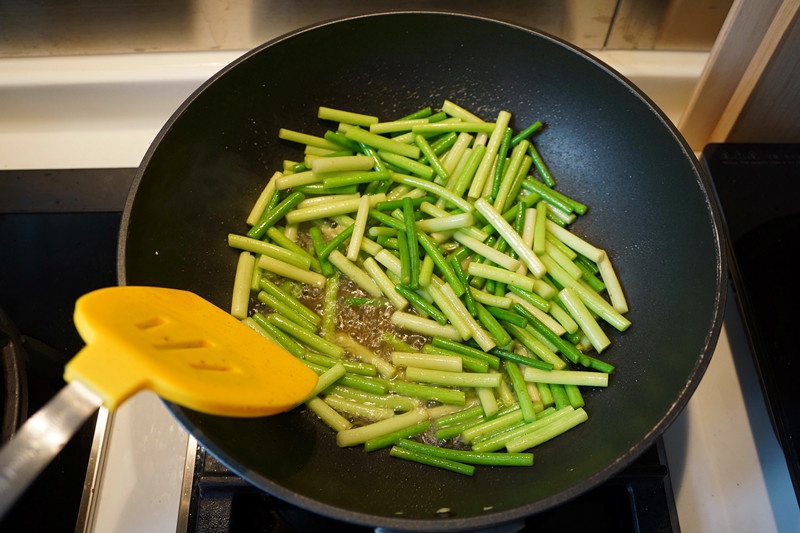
(491, 518)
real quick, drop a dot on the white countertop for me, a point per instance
(727, 471)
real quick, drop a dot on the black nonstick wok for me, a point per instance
(605, 143)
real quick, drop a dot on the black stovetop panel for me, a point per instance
(758, 186)
(47, 260)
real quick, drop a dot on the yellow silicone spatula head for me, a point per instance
(186, 350)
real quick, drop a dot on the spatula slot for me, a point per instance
(182, 345)
(150, 323)
(207, 365)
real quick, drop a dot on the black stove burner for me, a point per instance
(758, 186)
(13, 381)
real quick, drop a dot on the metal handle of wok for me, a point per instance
(41, 438)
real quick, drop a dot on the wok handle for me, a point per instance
(41, 438)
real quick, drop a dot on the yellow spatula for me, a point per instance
(172, 342)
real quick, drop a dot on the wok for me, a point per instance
(606, 144)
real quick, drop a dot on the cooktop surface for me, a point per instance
(758, 186)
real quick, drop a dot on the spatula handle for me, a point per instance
(40, 439)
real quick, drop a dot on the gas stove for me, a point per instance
(724, 464)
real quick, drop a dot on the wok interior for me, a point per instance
(604, 144)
